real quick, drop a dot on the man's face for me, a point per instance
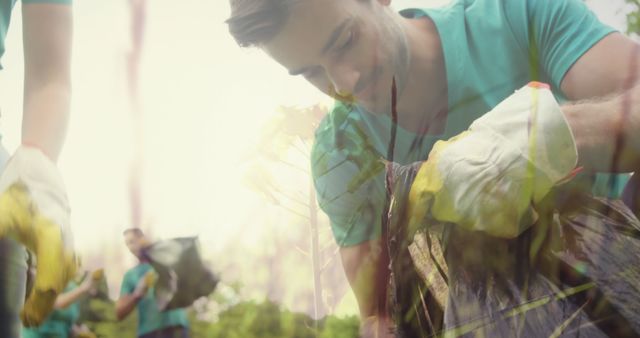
(352, 48)
(135, 242)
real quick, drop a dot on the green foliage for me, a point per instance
(96, 310)
(99, 316)
(98, 307)
(340, 327)
(247, 319)
(267, 320)
(633, 17)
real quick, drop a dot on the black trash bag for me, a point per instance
(574, 273)
(182, 275)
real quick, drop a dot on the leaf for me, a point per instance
(301, 122)
(366, 174)
(259, 179)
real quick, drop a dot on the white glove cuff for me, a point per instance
(42, 178)
(531, 120)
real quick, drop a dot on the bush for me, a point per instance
(267, 320)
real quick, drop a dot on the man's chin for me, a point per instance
(371, 105)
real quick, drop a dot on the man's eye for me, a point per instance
(348, 41)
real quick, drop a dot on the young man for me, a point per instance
(34, 211)
(446, 67)
(137, 292)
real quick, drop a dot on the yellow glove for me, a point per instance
(35, 212)
(490, 177)
(150, 279)
(145, 283)
(97, 274)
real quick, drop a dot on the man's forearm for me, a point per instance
(68, 298)
(47, 38)
(45, 117)
(607, 132)
(125, 305)
(366, 267)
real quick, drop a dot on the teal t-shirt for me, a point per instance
(59, 322)
(491, 48)
(150, 318)
(6, 6)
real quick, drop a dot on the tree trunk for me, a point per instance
(315, 253)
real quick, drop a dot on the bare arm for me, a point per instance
(366, 268)
(126, 304)
(68, 298)
(606, 126)
(47, 35)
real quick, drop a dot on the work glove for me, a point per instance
(34, 211)
(91, 282)
(490, 177)
(145, 283)
(97, 275)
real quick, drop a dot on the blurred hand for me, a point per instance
(91, 282)
(145, 283)
(82, 331)
(96, 276)
(34, 211)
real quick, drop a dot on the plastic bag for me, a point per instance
(575, 273)
(182, 276)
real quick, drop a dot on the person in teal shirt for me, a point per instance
(60, 323)
(137, 292)
(444, 68)
(47, 34)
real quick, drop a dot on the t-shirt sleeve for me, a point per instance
(349, 179)
(128, 284)
(559, 33)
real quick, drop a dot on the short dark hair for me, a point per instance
(254, 22)
(136, 231)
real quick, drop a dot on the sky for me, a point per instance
(204, 102)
